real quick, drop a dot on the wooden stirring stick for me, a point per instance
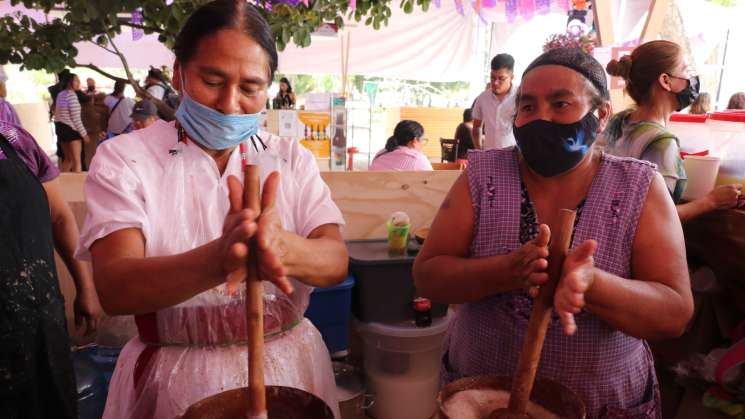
(540, 317)
(254, 301)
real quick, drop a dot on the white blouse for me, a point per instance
(132, 182)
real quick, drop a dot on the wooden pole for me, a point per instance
(254, 304)
(655, 17)
(540, 317)
(604, 21)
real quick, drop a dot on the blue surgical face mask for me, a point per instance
(551, 149)
(212, 129)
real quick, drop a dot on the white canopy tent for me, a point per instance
(438, 45)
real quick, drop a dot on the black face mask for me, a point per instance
(688, 95)
(550, 148)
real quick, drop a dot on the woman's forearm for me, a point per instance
(320, 262)
(644, 309)
(457, 280)
(137, 285)
(65, 235)
(693, 209)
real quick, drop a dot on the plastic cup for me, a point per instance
(398, 238)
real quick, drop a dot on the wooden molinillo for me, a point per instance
(530, 356)
(254, 304)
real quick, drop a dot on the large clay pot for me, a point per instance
(282, 403)
(551, 395)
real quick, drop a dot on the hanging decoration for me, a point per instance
(542, 7)
(136, 19)
(527, 8)
(510, 10)
(437, 3)
(352, 5)
(459, 6)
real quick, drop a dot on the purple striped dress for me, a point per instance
(611, 371)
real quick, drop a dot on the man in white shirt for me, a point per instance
(120, 109)
(155, 84)
(494, 109)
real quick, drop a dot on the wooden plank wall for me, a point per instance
(367, 199)
(437, 122)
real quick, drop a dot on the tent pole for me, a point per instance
(721, 73)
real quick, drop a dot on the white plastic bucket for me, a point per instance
(702, 175)
(402, 365)
(692, 132)
(728, 129)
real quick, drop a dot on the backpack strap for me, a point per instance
(111, 112)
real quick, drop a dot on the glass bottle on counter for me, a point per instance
(422, 312)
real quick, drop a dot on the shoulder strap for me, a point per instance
(166, 90)
(114, 108)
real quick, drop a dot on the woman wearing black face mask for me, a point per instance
(487, 249)
(658, 79)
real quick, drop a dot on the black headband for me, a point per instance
(577, 60)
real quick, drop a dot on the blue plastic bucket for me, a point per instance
(330, 310)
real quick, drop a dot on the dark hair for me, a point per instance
(119, 87)
(701, 105)
(225, 14)
(287, 82)
(63, 75)
(643, 67)
(737, 101)
(467, 115)
(66, 83)
(403, 133)
(156, 74)
(503, 61)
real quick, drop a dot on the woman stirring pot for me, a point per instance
(165, 229)
(487, 249)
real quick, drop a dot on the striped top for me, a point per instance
(650, 141)
(8, 113)
(67, 111)
(401, 159)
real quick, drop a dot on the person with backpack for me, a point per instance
(120, 110)
(157, 86)
(660, 81)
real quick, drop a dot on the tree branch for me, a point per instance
(163, 107)
(102, 72)
(102, 47)
(144, 28)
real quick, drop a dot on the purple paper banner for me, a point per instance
(542, 7)
(459, 6)
(510, 10)
(136, 19)
(527, 8)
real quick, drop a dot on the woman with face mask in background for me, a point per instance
(659, 80)
(165, 229)
(487, 249)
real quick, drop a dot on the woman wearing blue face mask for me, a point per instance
(165, 229)
(613, 293)
(658, 79)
